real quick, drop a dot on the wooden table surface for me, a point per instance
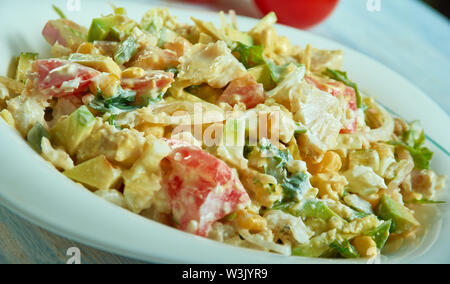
(405, 35)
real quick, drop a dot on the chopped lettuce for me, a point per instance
(421, 155)
(249, 55)
(293, 184)
(414, 136)
(412, 140)
(342, 77)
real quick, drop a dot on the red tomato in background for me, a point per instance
(199, 1)
(302, 14)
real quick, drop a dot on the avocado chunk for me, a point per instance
(35, 135)
(71, 131)
(110, 27)
(381, 234)
(262, 75)
(403, 221)
(126, 50)
(314, 209)
(345, 249)
(24, 65)
(166, 35)
(98, 62)
(318, 246)
(309, 250)
(100, 28)
(97, 173)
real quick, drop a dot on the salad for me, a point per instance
(240, 137)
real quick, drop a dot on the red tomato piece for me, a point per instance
(245, 90)
(338, 89)
(65, 32)
(153, 80)
(350, 95)
(298, 13)
(348, 92)
(201, 188)
(318, 85)
(56, 77)
(155, 58)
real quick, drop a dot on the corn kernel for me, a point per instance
(331, 162)
(7, 116)
(133, 72)
(88, 48)
(365, 245)
(250, 221)
(152, 129)
(107, 84)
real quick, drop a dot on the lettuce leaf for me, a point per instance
(421, 155)
(414, 136)
(248, 55)
(412, 140)
(342, 77)
(291, 183)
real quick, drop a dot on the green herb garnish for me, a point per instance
(59, 12)
(342, 77)
(123, 101)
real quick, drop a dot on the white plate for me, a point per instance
(35, 191)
